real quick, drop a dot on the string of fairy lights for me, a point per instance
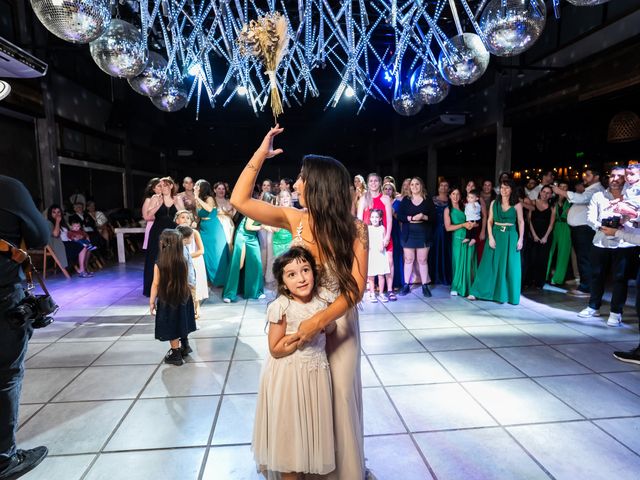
(182, 51)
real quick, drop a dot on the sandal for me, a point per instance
(392, 296)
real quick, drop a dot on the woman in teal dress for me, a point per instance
(463, 255)
(216, 248)
(281, 236)
(500, 272)
(246, 255)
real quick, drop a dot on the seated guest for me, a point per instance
(78, 235)
(65, 249)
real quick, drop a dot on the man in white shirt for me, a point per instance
(608, 251)
(581, 233)
(547, 179)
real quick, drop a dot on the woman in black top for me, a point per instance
(418, 213)
(541, 220)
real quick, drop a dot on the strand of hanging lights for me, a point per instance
(179, 51)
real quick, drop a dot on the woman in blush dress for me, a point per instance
(339, 245)
(151, 204)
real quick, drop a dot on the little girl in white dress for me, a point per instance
(378, 262)
(293, 430)
(196, 249)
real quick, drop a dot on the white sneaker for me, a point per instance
(226, 300)
(589, 312)
(453, 293)
(262, 296)
(382, 298)
(372, 298)
(615, 319)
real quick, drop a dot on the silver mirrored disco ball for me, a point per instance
(469, 59)
(77, 21)
(152, 79)
(404, 102)
(172, 98)
(120, 51)
(587, 3)
(430, 88)
(512, 26)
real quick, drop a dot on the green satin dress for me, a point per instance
(463, 257)
(560, 245)
(245, 241)
(499, 275)
(216, 248)
(281, 241)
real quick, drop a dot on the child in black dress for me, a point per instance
(175, 314)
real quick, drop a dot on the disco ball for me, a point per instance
(74, 20)
(469, 59)
(172, 98)
(512, 26)
(404, 101)
(120, 51)
(152, 79)
(587, 3)
(430, 87)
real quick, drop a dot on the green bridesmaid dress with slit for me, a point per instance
(463, 256)
(216, 248)
(246, 256)
(499, 275)
(560, 245)
(281, 241)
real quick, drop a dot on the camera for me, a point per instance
(36, 309)
(611, 222)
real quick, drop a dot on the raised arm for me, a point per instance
(314, 325)
(241, 200)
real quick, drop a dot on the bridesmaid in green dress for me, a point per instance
(246, 254)
(216, 248)
(281, 236)
(499, 274)
(463, 255)
(561, 243)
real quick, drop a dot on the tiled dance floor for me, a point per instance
(452, 389)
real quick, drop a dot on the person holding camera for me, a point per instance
(608, 251)
(20, 221)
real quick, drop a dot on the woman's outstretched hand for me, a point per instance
(266, 147)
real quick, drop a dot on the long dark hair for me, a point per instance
(513, 197)
(328, 199)
(63, 223)
(294, 254)
(173, 288)
(148, 190)
(205, 190)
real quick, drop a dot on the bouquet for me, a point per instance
(267, 39)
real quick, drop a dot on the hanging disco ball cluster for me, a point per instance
(191, 37)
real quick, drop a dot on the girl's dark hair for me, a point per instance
(513, 197)
(328, 200)
(378, 211)
(148, 191)
(185, 230)
(173, 288)
(287, 181)
(53, 206)
(205, 189)
(294, 254)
